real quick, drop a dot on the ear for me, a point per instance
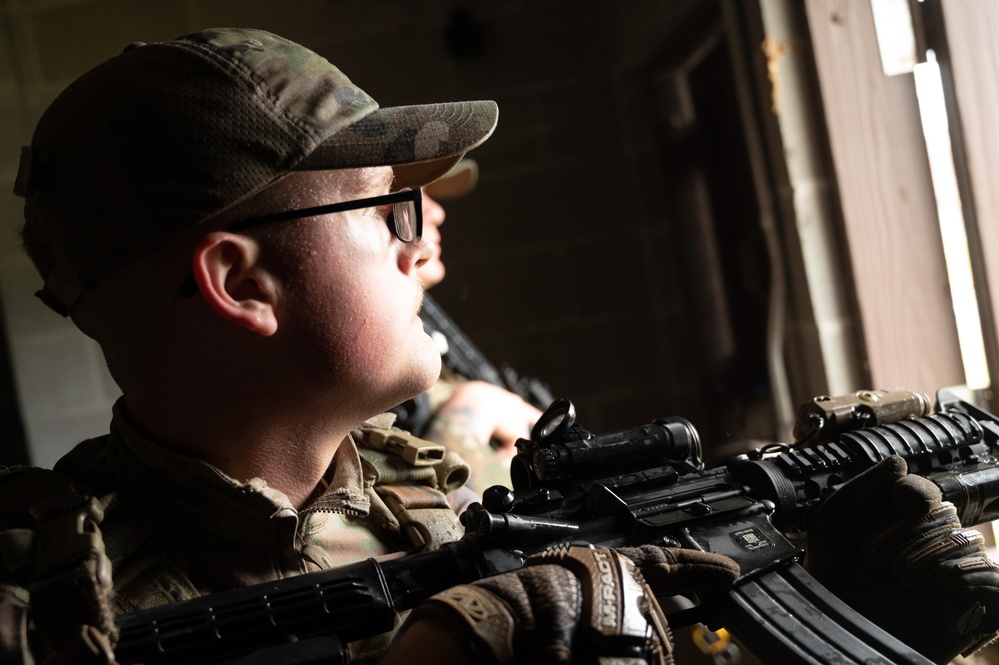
(232, 281)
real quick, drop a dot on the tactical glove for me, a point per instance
(577, 604)
(890, 547)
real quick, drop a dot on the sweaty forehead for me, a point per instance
(380, 177)
(342, 183)
(302, 189)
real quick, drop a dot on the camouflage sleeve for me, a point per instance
(453, 430)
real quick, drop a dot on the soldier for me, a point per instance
(239, 226)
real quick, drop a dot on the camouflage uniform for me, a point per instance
(135, 151)
(175, 527)
(423, 416)
(487, 469)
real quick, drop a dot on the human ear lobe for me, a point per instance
(232, 281)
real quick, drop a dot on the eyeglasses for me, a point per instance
(405, 220)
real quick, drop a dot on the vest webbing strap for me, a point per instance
(71, 586)
(423, 513)
(407, 473)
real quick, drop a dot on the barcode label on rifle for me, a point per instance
(752, 539)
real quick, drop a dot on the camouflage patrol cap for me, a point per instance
(170, 134)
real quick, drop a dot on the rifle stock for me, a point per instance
(657, 492)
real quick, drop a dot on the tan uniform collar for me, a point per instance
(209, 499)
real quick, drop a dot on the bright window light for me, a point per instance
(929, 91)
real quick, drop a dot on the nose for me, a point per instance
(414, 255)
(433, 212)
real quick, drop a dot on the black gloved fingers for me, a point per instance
(944, 557)
(910, 535)
(886, 544)
(967, 598)
(955, 546)
(978, 575)
(916, 547)
(863, 503)
(673, 570)
(874, 486)
(914, 495)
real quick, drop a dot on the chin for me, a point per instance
(433, 366)
(413, 386)
(425, 367)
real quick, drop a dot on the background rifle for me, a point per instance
(642, 485)
(460, 355)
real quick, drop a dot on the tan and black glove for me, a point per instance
(889, 546)
(577, 604)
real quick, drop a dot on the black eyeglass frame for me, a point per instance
(411, 196)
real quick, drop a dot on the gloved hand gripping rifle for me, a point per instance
(637, 486)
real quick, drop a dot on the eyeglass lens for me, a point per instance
(404, 220)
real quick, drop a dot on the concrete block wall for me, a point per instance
(559, 264)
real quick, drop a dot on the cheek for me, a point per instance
(371, 324)
(353, 322)
(323, 310)
(356, 325)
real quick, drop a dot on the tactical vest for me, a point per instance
(54, 551)
(412, 477)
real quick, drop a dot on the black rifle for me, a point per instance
(460, 355)
(642, 485)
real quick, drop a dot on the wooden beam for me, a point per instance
(888, 208)
(963, 35)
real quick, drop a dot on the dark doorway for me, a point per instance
(720, 251)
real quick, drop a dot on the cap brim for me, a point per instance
(422, 142)
(420, 174)
(456, 183)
